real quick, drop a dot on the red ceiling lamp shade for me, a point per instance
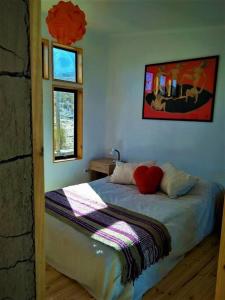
(66, 22)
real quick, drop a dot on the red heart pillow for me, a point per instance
(148, 179)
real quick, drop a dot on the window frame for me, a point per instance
(78, 65)
(75, 67)
(69, 86)
(45, 58)
(66, 157)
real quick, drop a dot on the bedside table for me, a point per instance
(101, 167)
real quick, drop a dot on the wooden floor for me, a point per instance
(194, 278)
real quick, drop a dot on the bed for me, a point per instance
(97, 267)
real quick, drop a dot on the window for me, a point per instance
(67, 102)
(67, 64)
(64, 64)
(65, 121)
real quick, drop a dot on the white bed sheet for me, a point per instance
(97, 267)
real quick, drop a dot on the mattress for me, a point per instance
(97, 267)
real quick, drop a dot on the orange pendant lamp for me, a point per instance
(66, 22)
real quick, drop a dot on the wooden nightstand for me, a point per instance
(101, 167)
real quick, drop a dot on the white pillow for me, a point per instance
(123, 172)
(175, 182)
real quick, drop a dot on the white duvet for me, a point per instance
(97, 267)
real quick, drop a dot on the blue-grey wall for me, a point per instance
(71, 172)
(194, 146)
(113, 96)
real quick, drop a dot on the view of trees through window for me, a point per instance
(64, 123)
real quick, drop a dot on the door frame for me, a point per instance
(38, 165)
(220, 283)
(37, 140)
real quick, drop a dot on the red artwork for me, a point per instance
(180, 90)
(66, 22)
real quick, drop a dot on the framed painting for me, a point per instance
(181, 90)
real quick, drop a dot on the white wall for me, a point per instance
(194, 146)
(113, 97)
(66, 173)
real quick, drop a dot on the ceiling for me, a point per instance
(135, 16)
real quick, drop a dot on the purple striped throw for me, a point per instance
(140, 241)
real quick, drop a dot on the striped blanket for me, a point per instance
(140, 241)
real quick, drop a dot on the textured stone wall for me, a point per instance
(17, 276)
